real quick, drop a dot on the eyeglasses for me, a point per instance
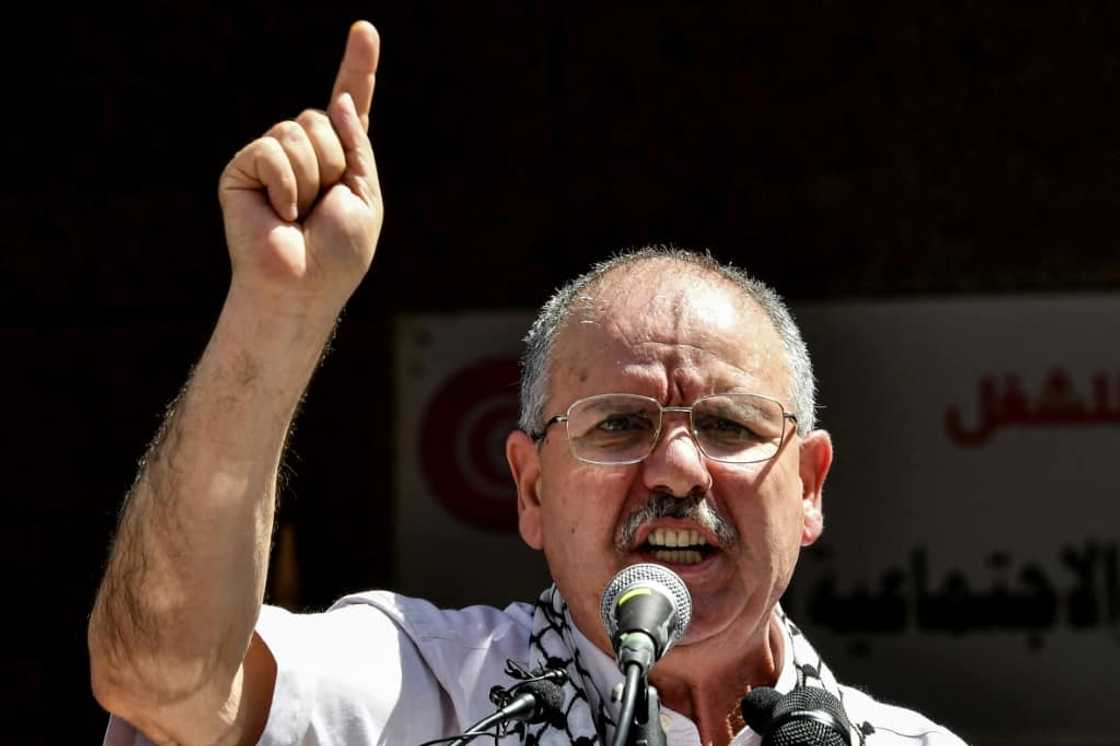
(615, 429)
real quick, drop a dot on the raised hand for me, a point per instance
(302, 210)
(302, 204)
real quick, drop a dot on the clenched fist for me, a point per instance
(302, 204)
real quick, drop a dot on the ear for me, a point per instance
(525, 465)
(815, 461)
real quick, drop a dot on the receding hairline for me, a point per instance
(575, 298)
(594, 302)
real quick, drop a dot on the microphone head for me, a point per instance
(809, 714)
(649, 579)
(758, 707)
(550, 699)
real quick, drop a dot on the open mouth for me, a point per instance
(677, 546)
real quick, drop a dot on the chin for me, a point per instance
(732, 617)
(702, 628)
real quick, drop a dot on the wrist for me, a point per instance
(291, 309)
(282, 342)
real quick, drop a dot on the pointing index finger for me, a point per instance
(356, 74)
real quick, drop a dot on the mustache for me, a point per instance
(663, 505)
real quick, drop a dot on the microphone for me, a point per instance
(807, 716)
(536, 701)
(645, 608)
(758, 707)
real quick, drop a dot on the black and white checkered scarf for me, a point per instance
(587, 716)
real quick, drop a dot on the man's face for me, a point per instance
(673, 336)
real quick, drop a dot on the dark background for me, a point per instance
(834, 150)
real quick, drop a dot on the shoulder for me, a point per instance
(379, 623)
(343, 673)
(885, 723)
(423, 621)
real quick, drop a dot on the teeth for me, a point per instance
(676, 537)
(677, 556)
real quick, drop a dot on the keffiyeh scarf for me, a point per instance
(587, 716)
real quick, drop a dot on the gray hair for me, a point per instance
(536, 361)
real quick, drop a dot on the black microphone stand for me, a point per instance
(646, 729)
(639, 721)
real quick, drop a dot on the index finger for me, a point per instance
(356, 74)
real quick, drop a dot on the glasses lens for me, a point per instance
(613, 429)
(738, 428)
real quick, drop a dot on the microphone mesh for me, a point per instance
(757, 707)
(802, 706)
(649, 575)
(801, 732)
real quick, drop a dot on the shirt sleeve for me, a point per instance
(378, 668)
(348, 676)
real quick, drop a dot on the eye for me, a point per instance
(623, 423)
(724, 424)
(725, 428)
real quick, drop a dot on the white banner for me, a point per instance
(972, 521)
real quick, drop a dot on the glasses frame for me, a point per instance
(537, 437)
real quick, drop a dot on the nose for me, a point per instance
(676, 465)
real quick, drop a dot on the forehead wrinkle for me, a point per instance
(690, 381)
(664, 327)
(669, 369)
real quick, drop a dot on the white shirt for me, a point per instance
(379, 668)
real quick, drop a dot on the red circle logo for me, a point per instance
(462, 444)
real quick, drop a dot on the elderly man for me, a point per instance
(667, 417)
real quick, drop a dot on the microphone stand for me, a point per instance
(640, 713)
(646, 729)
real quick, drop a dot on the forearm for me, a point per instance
(186, 577)
(171, 634)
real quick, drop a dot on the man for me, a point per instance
(667, 416)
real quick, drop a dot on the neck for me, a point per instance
(706, 680)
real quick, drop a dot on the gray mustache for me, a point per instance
(663, 505)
